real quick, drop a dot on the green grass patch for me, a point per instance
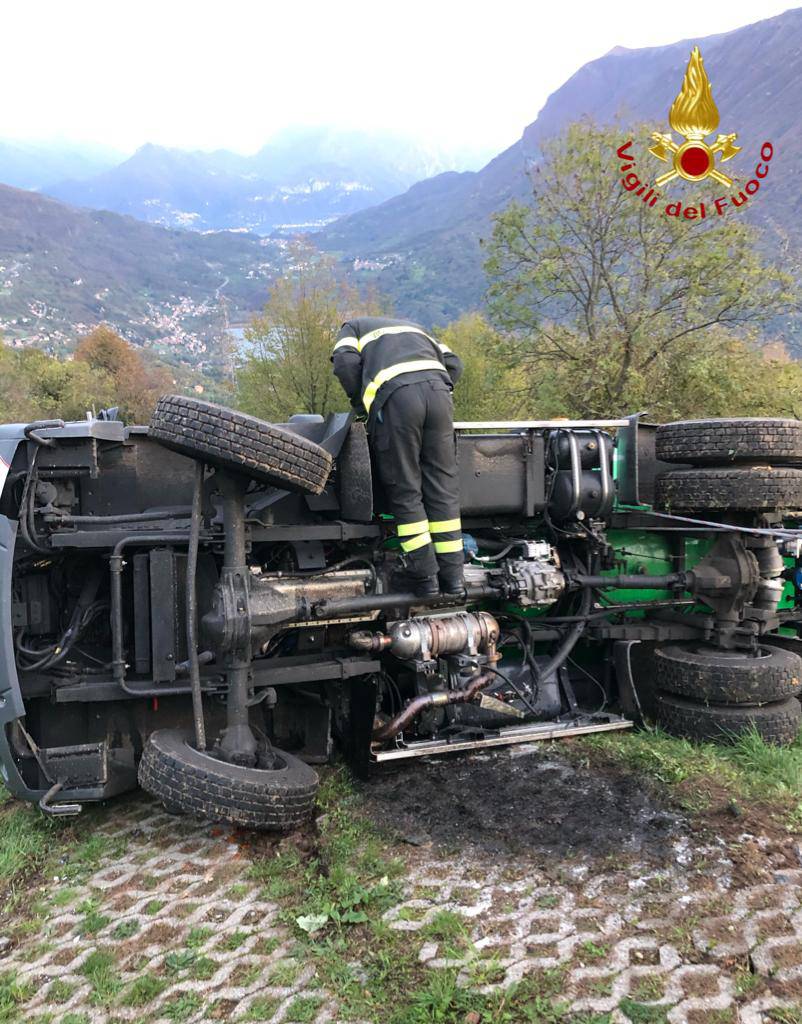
(181, 1007)
(640, 1014)
(233, 941)
(303, 1009)
(261, 1009)
(125, 929)
(180, 961)
(144, 990)
(12, 995)
(93, 921)
(60, 990)
(747, 770)
(100, 969)
(197, 936)
(203, 968)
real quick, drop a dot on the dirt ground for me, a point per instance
(522, 803)
(551, 859)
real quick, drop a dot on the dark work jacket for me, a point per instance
(375, 355)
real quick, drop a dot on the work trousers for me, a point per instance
(415, 454)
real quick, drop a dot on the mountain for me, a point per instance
(35, 165)
(422, 248)
(303, 179)
(63, 270)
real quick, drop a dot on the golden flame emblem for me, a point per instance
(694, 115)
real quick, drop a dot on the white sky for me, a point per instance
(230, 73)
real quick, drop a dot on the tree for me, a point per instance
(607, 301)
(489, 387)
(137, 385)
(289, 368)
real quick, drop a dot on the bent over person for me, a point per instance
(403, 378)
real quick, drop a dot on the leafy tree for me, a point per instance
(289, 368)
(610, 305)
(489, 387)
(137, 385)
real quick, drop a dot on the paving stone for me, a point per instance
(683, 930)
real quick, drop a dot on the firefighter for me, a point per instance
(402, 378)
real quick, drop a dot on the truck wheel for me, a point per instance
(738, 440)
(355, 479)
(231, 440)
(747, 488)
(185, 779)
(777, 723)
(728, 677)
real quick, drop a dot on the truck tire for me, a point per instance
(777, 723)
(721, 441)
(231, 440)
(746, 488)
(198, 784)
(354, 476)
(728, 677)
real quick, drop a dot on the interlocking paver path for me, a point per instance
(178, 909)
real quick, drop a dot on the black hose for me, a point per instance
(134, 517)
(192, 608)
(25, 513)
(560, 656)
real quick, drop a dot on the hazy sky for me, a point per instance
(231, 73)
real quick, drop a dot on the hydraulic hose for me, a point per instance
(560, 656)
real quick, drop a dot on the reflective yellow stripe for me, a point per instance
(417, 542)
(366, 339)
(445, 526)
(441, 346)
(444, 547)
(393, 371)
(347, 343)
(410, 529)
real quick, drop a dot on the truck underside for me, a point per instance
(211, 605)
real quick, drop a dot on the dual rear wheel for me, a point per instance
(710, 694)
(741, 466)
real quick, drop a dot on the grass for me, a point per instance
(144, 990)
(640, 1014)
(181, 1007)
(748, 770)
(303, 1009)
(12, 994)
(100, 970)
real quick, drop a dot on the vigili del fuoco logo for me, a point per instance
(694, 116)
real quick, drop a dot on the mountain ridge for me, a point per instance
(423, 248)
(300, 180)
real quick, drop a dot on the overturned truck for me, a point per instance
(206, 606)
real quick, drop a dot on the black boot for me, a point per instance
(421, 586)
(426, 587)
(452, 583)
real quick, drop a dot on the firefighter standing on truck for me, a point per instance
(402, 379)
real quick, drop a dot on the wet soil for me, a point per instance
(524, 801)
